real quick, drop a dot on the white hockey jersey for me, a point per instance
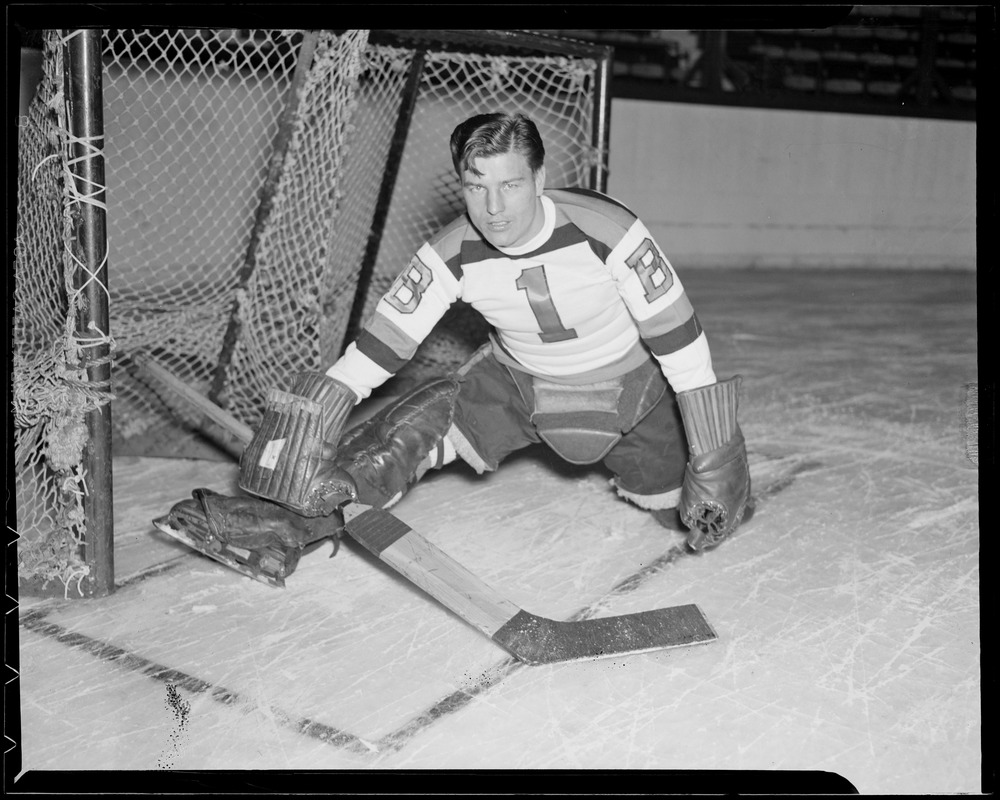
(587, 299)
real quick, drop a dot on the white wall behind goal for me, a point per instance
(744, 187)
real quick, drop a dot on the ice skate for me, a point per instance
(255, 537)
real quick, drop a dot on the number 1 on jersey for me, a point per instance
(534, 283)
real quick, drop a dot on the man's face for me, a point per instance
(504, 200)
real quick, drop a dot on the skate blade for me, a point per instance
(222, 557)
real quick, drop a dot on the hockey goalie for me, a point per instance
(595, 350)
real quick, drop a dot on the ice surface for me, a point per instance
(847, 609)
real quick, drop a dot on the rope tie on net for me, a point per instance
(40, 164)
(64, 40)
(82, 191)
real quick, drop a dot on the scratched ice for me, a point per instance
(847, 610)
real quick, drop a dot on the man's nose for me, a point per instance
(494, 202)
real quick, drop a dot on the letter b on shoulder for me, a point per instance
(651, 269)
(405, 293)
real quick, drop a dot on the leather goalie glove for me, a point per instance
(389, 452)
(715, 495)
(291, 459)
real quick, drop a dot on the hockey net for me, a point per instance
(246, 174)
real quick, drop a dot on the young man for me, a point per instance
(595, 349)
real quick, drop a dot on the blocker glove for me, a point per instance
(388, 453)
(715, 495)
(291, 459)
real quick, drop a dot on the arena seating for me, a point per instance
(880, 58)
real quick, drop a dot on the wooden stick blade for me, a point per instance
(537, 640)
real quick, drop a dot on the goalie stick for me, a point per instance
(528, 637)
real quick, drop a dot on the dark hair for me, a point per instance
(486, 135)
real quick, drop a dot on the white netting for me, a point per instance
(243, 173)
(190, 118)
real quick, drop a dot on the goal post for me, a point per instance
(86, 208)
(262, 188)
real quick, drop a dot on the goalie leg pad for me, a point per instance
(335, 400)
(290, 459)
(389, 452)
(286, 450)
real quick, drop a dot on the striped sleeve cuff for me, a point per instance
(381, 353)
(676, 339)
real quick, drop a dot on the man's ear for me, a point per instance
(540, 181)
